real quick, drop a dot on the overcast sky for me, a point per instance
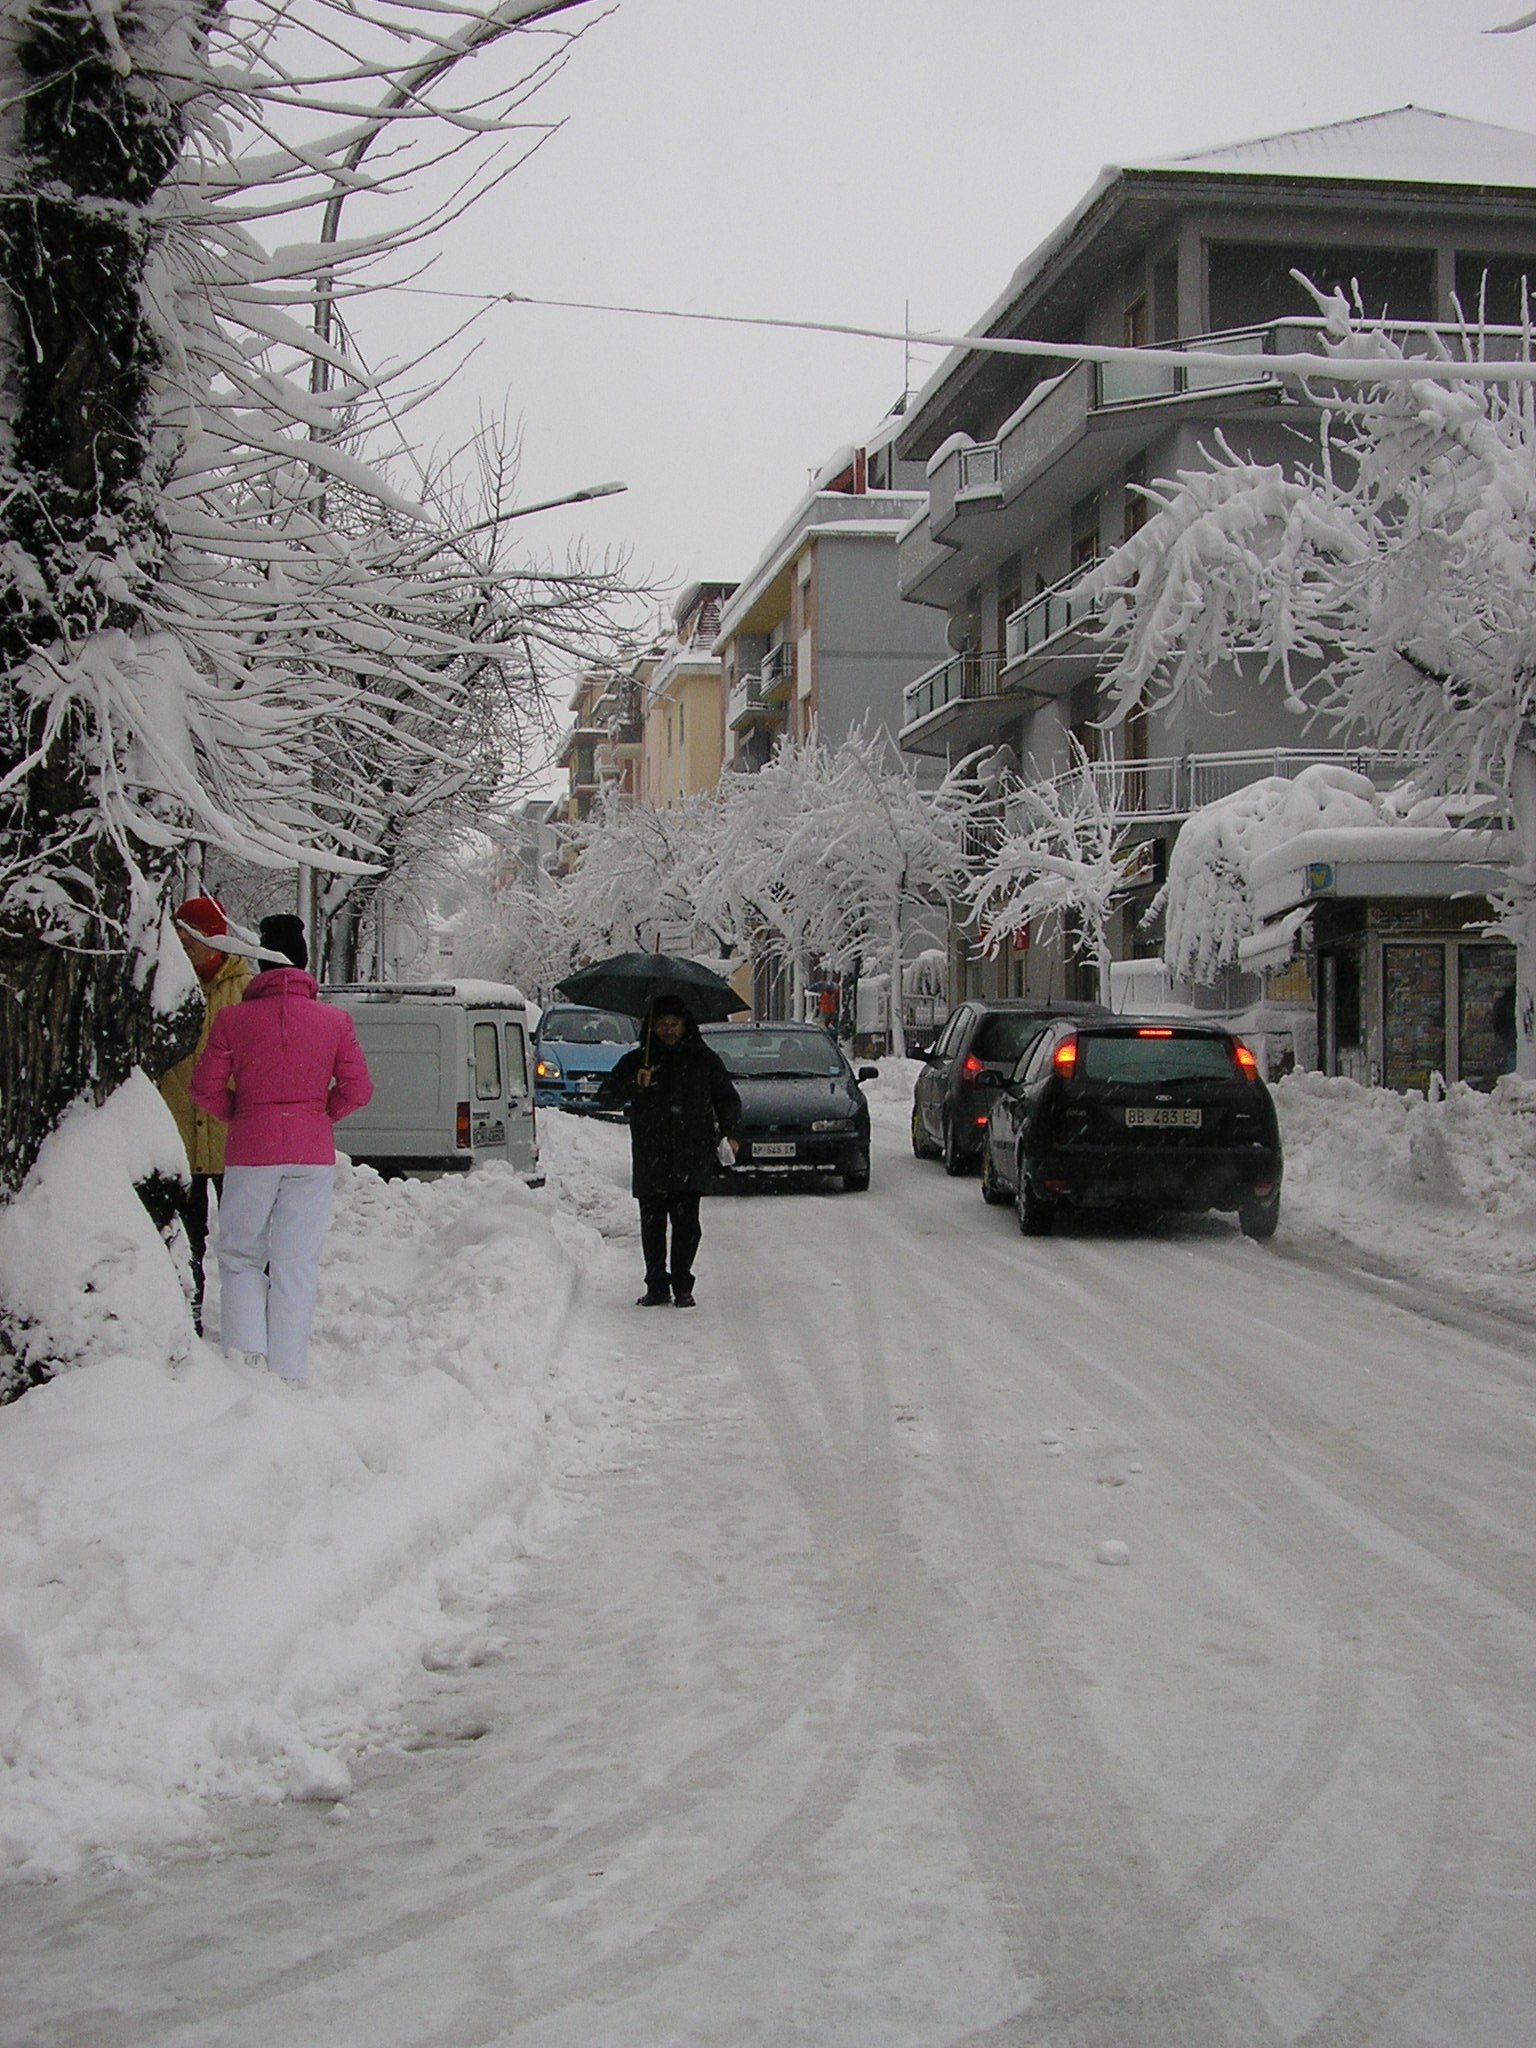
(843, 160)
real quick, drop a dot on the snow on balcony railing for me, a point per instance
(1173, 785)
(961, 678)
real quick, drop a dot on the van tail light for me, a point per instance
(1064, 1059)
(971, 1070)
(461, 1127)
(1247, 1065)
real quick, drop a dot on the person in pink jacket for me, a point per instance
(281, 1068)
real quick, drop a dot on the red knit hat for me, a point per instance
(203, 914)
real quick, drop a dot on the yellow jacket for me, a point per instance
(203, 1135)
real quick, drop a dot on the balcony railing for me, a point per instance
(963, 677)
(777, 674)
(747, 705)
(1172, 785)
(1046, 615)
(980, 470)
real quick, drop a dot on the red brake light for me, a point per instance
(461, 1128)
(970, 1067)
(1064, 1059)
(1154, 1031)
(1247, 1065)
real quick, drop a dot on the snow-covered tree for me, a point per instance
(830, 850)
(190, 637)
(640, 870)
(1387, 587)
(1057, 865)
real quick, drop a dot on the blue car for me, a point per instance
(575, 1047)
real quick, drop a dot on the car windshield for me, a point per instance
(588, 1027)
(1124, 1056)
(785, 1055)
(1000, 1040)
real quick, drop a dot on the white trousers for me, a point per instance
(272, 1225)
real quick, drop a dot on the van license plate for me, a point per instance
(773, 1151)
(1163, 1119)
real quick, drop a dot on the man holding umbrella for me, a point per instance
(681, 1105)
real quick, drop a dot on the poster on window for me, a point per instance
(1485, 1013)
(1413, 1020)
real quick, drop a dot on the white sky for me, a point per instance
(837, 159)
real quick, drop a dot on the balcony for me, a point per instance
(776, 677)
(747, 707)
(1166, 789)
(952, 705)
(1052, 642)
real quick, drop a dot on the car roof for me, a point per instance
(769, 1024)
(1033, 1006)
(1111, 1021)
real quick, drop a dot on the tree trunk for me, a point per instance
(80, 923)
(1520, 913)
(898, 1019)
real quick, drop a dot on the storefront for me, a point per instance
(1392, 922)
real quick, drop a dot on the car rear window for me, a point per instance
(1001, 1039)
(1126, 1057)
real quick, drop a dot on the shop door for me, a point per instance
(1485, 1013)
(1413, 1014)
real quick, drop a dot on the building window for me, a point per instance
(1251, 282)
(1495, 288)
(1136, 322)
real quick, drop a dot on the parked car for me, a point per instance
(976, 1052)
(1135, 1112)
(452, 1086)
(802, 1108)
(574, 1048)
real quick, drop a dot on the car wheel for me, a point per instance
(993, 1193)
(956, 1165)
(1259, 1217)
(1036, 1214)
(921, 1149)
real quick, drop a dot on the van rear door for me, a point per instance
(410, 1121)
(522, 1118)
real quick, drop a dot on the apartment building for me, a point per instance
(816, 639)
(684, 746)
(1032, 465)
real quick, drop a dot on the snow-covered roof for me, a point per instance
(1405, 145)
(1378, 860)
(885, 515)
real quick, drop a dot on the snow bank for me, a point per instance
(213, 1586)
(1443, 1190)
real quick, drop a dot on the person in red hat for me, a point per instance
(203, 929)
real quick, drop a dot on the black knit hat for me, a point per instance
(284, 933)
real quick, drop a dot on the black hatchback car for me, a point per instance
(1135, 1112)
(802, 1108)
(976, 1052)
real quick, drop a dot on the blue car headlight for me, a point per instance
(547, 1069)
(834, 1123)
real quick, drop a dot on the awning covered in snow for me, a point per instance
(1273, 944)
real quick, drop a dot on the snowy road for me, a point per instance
(826, 1725)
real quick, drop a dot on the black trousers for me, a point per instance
(681, 1211)
(194, 1217)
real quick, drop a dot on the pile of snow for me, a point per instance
(213, 1586)
(1444, 1191)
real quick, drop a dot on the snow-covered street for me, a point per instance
(942, 1637)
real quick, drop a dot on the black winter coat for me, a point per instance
(677, 1121)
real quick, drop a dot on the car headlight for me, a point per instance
(547, 1070)
(834, 1123)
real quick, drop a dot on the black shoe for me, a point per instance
(653, 1297)
(684, 1298)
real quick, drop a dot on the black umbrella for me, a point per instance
(629, 981)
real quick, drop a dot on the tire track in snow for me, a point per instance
(1054, 1865)
(1424, 1925)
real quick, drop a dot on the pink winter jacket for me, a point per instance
(280, 1068)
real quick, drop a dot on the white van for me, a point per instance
(452, 1076)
